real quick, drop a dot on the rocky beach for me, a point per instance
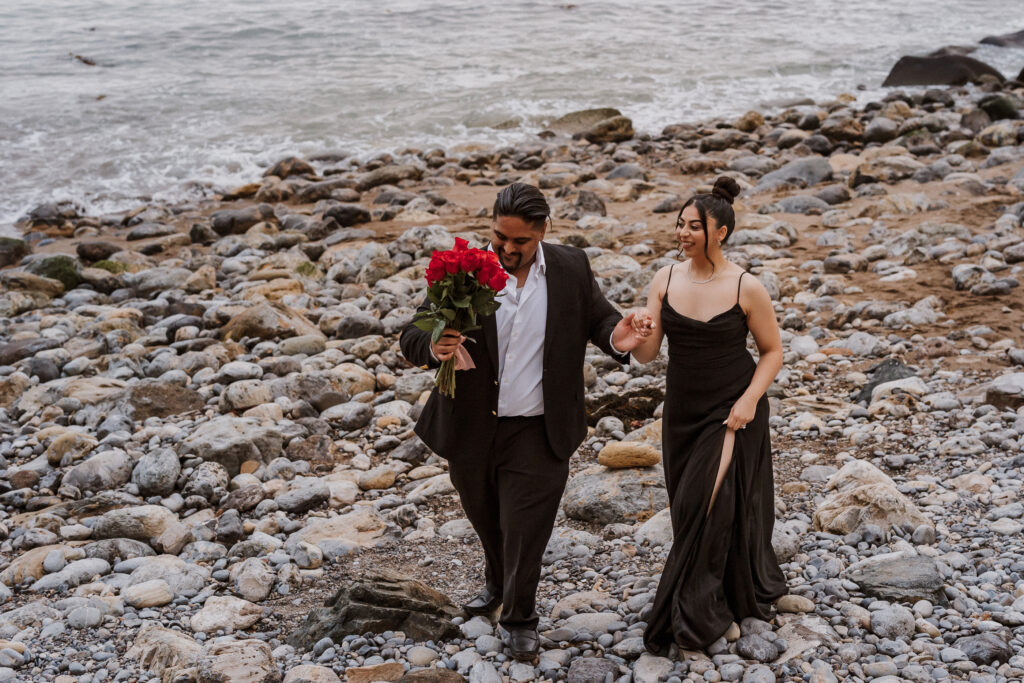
(208, 471)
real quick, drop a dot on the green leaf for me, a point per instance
(425, 324)
(448, 314)
(439, 326)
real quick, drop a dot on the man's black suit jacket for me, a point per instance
(460, 429)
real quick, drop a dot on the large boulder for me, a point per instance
(341, 535)
(155, 398)
(101, 472)
(231, 441)
(163, 651)
(157, 472)
(898, 576)
(598, 494)
(1005, 40)
(183, 578)
(240, 661)
(946, 69)
(802, 172)
(381, 600)
(615, 129)
(268, 320)
(235, 221)
(579, 122)
(141, 523)
(225, 613)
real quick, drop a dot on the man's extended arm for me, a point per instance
(603, 319)
(415, 344)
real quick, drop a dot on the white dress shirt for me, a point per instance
(522, 322)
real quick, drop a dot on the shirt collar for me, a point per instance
(541, 264)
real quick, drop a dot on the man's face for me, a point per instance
(515, 241)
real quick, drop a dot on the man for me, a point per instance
(518, 415)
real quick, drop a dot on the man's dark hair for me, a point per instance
(524, 202)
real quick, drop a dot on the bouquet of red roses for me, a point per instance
(462, 284)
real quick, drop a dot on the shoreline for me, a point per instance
(207, 426)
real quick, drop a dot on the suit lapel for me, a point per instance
(557, 296)
(490, 330)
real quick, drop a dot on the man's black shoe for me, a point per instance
(483, 604)
(524, 643)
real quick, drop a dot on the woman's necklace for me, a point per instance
(689, 275)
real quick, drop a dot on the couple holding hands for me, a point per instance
(519, 416)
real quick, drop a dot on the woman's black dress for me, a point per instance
(721, 567)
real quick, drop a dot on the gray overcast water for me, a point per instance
(190, 96)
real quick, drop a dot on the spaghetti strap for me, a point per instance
(667, 283)
(738, 283)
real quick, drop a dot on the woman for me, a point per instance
(717, 452)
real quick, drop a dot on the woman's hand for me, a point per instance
(642, 322)
(741, 414)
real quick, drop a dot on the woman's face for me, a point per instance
(690, 232)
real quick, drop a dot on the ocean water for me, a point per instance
(185, 97)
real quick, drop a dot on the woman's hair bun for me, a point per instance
(726, 188)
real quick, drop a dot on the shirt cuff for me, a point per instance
(611, 343)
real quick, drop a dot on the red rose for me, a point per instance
(451, 260)
(472, 260)
(460, 244)
(498, 281)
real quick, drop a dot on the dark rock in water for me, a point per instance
(888, 370)
(947, 70)
(952, 50)
(380, 600)
(630, 404)
(91, 252)
(235, 221)
(591, 203)
(12, 352)
(806, 172)
(13, 250)
(1005, 40)
(1001, 106)
(49, 214)
(290, 166)
(347, 215)
(898, 577)
(592, 670)
(581, 121)
(615, 129)
(58, 267)
(984, 649)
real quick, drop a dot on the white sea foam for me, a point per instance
(193, 96)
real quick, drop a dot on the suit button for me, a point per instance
(494, 412)
(495, 382)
